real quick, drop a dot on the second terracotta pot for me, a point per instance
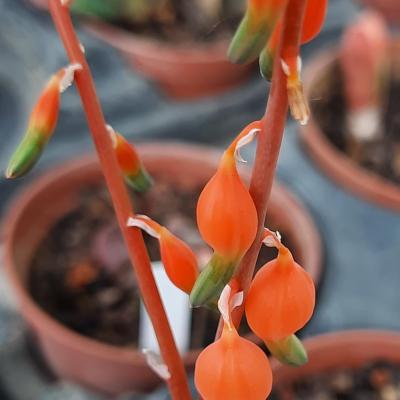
(336, 351)
(107, 368)
(335, 163)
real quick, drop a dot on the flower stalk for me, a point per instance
(177, 384)
(269, 143)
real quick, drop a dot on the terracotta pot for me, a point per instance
(389, 8)
(72, 356)
(335, 351)
(336, 164)
(182, 71)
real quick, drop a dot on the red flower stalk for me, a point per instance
(134, 172)
(232, 367)
(313, 20)
(280, 300)
(255, 29)
(227, 220)
(42, 123)
(178, 259)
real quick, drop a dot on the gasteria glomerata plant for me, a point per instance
(280, 299)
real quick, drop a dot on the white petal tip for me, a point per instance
(82, 47)
(223, 303)
(226, 304)
(155, 362)
(68, 77)
(248, 138)
(139, 223)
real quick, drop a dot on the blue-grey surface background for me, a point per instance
(361, 279)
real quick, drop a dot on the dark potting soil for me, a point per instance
(82, 277)
(378, 381)
(183, 21)
(328, 104)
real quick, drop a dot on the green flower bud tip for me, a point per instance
(249, 40)
(25, 156)
(289, 351)
(266, 61)
(212, 280)
(140, 182)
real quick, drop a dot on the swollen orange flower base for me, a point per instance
(232, 367)
(227, 220)
(283, 291)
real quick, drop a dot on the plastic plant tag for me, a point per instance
(176, 305)
(156, 363)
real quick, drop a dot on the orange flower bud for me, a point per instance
(129, 162)
(178, 259)
(232, 367)
(227, 220)
(313, 19)
(226, 215)
(41, 124)
(281, 298)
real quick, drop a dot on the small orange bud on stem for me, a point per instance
(178, 259)
(134, 172)
(42, 123)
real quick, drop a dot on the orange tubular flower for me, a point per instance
(255, 29)
(42, 123)
(129, 162)
(178, 259)
(291, 63)
(313, 19)
(281, 298)
(232, 367)
(227, 220)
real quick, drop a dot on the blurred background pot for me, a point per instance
(183, 69)
(72, 356)
(340, 351)
(319, 74)
(389, 8)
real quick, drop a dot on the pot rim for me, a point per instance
(66, 336)
(131, 43)
(335, 164)
(342, 339)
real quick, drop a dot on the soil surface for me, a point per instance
(82, 277)
(378, 381)
(380, 155)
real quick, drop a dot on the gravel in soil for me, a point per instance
(377, 381)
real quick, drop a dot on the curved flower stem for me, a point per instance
(269, 143)
(178, 385)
